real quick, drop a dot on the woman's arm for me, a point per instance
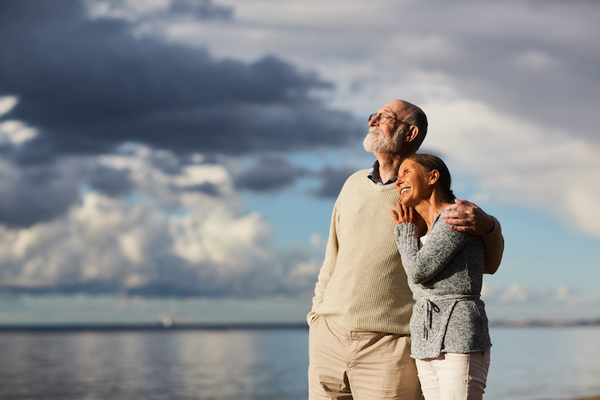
(442, 245)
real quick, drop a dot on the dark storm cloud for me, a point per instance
(201, 9)
(269, 174)
(205, 188)
(332, 181)
(90, 85)
(35, 194)
(41, 193)
(110, 181)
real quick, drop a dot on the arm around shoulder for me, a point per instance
(494, 248)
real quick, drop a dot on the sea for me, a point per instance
(528, 363)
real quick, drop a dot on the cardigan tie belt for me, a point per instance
(433, 308)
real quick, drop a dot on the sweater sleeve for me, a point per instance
(442, 245)
(327, 267)
(494, 248)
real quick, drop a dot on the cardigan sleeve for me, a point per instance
(421, 265)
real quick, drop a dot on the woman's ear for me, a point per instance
(434, 176)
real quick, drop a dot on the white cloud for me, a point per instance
(582, 201)
(506, 86)
(7, 103)
(514, 293)
(13, 131)
(16, 132)
(535, 61)
(517, 162)
(317, 241)
(206, 246)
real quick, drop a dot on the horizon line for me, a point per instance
(173, 325)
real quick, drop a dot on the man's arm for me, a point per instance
(327, 267)
(465, 216)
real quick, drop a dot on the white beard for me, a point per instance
(375, 142)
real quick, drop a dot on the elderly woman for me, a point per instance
(449, 327)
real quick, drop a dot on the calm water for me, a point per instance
(527, 363)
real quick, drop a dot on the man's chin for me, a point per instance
(372, 143)
(376, 148)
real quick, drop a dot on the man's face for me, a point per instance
(386, 136)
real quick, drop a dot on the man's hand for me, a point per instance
(467, 217)
(404, 214)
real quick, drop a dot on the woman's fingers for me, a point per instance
(406, 211)
(403, 214)
(395, 216)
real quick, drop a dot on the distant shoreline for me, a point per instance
(545, 322)
(249, 326)
(150, 327)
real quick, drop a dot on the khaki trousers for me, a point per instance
(348, 365)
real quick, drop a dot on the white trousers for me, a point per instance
(453, 376)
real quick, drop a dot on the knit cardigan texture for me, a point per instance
(362, 285)
(445, 276)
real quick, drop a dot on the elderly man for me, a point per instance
(359, 342)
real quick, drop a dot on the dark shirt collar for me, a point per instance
(375, 177)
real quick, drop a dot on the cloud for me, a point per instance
(510, 88)
(535, 60)
(269, 174)
(123, 124)
(518, 162)
(332, 180)
(200, 245)
(135, 11)
(110, 181)
(34, 194)
(272, 174)
(515, 294)
(89, 85)
(77, 80)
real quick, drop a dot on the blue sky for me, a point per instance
(181, 159)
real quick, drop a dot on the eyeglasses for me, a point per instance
(383, 118)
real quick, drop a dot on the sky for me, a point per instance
(179, 160)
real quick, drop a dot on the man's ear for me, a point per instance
(413, 132)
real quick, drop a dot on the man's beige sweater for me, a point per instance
(362, 285)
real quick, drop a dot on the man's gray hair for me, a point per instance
(416, 117)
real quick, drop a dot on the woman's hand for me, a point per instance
(404, 214)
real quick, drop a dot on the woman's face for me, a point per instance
(413, 183)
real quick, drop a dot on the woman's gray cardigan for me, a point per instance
(446, 276)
